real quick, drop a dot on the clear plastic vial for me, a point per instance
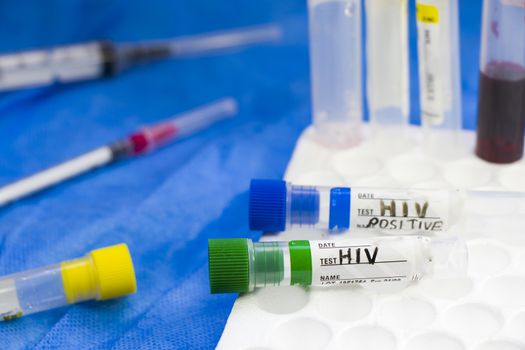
(439, 71)
(387, 63)
(102, 274)
(276, 205)
(335, 61)
(240, 265)
(501, 104)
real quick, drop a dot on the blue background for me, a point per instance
(164, 205)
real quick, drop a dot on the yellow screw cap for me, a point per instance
(102, 274)
(114, 271)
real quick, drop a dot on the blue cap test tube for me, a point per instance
(276, 205)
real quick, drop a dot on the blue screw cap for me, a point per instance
(267, 205)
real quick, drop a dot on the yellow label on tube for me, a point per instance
(427, 14)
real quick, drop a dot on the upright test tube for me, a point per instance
(501, 105)
(240, 265)
(439, 72)
(102, 274)
(387, 64)
(335, 61)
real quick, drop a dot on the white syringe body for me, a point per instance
(55, 65)
(146, 139)
(96, 59)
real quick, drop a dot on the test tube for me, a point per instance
(276, 205)
(439, 71)
(501, 104)
(240, 265)
(387, 64)
(102, 274)
(335, 61)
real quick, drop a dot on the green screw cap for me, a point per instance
(229, 265)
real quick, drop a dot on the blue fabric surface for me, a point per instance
(167, 204)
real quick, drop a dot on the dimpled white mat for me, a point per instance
(484, 311)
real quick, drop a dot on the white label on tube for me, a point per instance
(398, 211)
(367, 261)
(429, 36)
(9, 305)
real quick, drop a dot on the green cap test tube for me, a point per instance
(240, 265)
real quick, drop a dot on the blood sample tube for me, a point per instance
(501, 105)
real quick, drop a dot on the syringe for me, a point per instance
(143, 140)
(102, 274)
(104, 58)
(277, 205)
(239, 265)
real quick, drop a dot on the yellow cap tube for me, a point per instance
(102, 274)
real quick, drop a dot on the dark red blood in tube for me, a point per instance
(501, 113)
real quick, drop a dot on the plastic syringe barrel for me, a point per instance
(335, 64)
(151, 137)
(239, 265)
(56, 65)
(501, 102)
(276, 205)
(102, 274)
